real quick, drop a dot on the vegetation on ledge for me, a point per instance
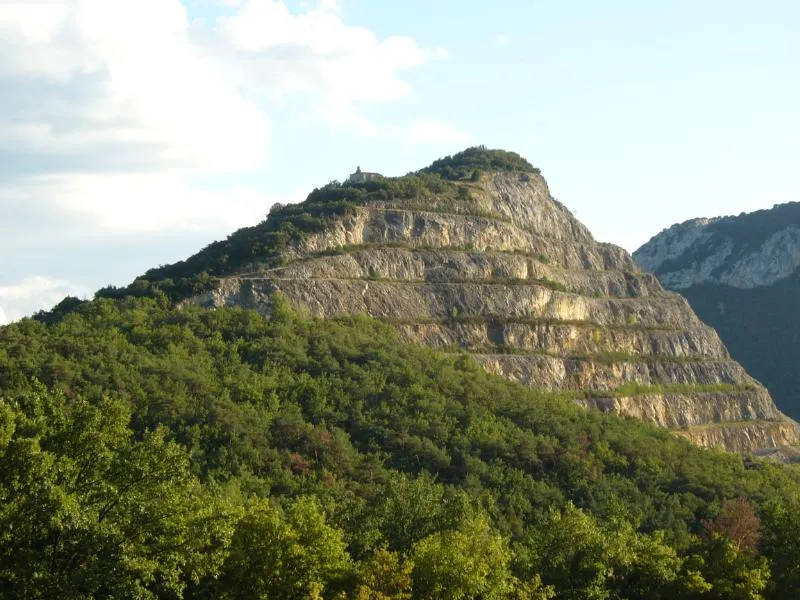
(598, 357)
(477, 159)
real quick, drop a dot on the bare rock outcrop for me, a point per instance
(745, 252)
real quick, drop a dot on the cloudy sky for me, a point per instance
(134, 132)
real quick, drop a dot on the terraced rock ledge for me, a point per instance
(506, 273)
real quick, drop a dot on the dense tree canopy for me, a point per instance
(159, 453)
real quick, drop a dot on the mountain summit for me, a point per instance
(473, 254)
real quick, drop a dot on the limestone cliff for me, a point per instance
(494, 266)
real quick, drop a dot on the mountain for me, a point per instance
(740, 274)
(474, 255)
(152, 448)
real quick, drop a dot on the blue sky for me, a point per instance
(134, 133)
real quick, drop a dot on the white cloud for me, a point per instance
(100, 77)
(431, 131)
(151, 202)
(317, 56)
(34, 294)
(3, 318)
(108, 106)
(501, 39)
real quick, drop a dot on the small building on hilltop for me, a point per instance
(362, 176)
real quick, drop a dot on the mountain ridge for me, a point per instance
(745, 251)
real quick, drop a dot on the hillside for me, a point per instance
(154, 452)
(473, 254)
(740, 274)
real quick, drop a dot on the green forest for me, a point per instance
(153, 452)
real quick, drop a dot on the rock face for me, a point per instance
(742, 276)
(510, 276)
(748, 251)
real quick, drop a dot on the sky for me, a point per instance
(135, 132)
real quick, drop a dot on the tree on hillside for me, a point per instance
(88, 511)
(738, 522)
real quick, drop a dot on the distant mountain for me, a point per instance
(742, 276)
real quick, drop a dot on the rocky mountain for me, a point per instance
(741, 275)
(474, 255)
